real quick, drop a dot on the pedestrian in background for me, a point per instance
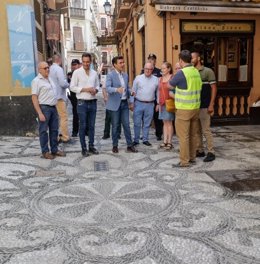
(75, 64)
(208, 96)
(187, 83)
(163, 95)
(85, 84)
(145, 86)
(58, 77)
(44, 102)
(118, 96)
(157, 122)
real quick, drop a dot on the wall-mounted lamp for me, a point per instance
(107, 8)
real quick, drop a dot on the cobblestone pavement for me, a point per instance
(131, 208)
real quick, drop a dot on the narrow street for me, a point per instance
(130, 208)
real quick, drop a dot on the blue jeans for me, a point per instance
(87, 110)
(118, 117)
(143, 114)
(51, 123)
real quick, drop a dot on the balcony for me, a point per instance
(124, 10)
(77, 13)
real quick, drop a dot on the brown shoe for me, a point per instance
(59, 153)
(131, 149)
(47, 155)
(115, 149)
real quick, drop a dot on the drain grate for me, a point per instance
(237, 180)
(101, 166)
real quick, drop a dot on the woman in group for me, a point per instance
(163, 95)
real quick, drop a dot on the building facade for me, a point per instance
(84, 29)
(225, 32)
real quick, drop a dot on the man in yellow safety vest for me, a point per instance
(187, 84)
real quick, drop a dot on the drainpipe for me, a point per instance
(164, 37)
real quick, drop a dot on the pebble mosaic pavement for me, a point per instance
(128, 208)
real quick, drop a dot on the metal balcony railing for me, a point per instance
(77, 13)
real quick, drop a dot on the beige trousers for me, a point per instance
(63, 120)
(204, 129)
(186, 124)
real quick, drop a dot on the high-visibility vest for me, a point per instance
(189, 99)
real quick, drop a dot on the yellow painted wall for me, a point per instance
(7, 88)
(154, 34)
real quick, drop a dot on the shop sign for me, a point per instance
(109, 40)
(207, 9)
(217, 27)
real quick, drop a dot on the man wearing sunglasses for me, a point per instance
(44, 101)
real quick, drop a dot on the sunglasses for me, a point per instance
(46, 68)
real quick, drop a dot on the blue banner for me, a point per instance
(21, 26)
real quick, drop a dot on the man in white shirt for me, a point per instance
(85, 84)
(44, 102)
(145, 87)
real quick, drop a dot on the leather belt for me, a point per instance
(146, 102)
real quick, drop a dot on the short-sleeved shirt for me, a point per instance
(44, 88)
(179, 80)
(208, 78)
(145, 87)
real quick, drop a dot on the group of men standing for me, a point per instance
(49, 90)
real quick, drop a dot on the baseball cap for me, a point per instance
(152, 56)
(75, 61)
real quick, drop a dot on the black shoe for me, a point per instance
(135, 143)
(210, 157)
(131, 149)
(119, 137)
(192, 162)
(159, 138)
(147, 143)
(84, 153)
(115, 149)
(105, 137)
(74, 134)
(200, 154)
(70, 141)
(93, 150)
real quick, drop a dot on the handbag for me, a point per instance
(170, 105)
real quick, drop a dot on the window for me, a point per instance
(104, 57)
(103, 23)
(78, 39)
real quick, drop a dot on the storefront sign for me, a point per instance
(207, 9)
(217, 27)
(103, 41)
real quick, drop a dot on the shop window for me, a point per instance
(229, 57)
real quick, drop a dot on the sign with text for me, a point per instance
(109, 40)
(22, 43)
(217, 27)
(207, 9)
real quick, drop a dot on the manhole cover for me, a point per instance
(101, 166)
(237, 180)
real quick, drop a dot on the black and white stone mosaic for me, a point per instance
(129, 208)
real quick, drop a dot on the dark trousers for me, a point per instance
(108, 125)
(75, 121)
(51, 125)
(87, 113)
(157, 123)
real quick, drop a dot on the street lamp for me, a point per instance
(107, 8)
